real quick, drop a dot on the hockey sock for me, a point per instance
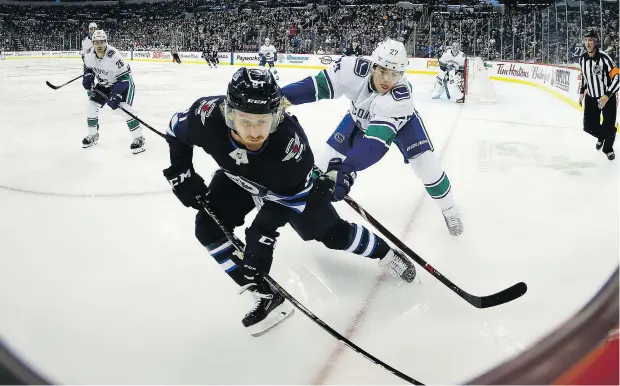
(92, 117)
(435, 180)
(355, 239)
(92, 125)
(134, 128)
(224, 253)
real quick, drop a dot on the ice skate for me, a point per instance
(90, 140)
(399, 265)
(453, 221)
(137, 146)
(270, 309)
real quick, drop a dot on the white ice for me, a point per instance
(102, 280)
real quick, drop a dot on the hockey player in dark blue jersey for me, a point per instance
(265, 162)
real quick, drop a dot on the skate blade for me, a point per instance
(138, 151)
(89, 145)
(280, 314)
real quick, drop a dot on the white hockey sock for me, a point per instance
(426, 166)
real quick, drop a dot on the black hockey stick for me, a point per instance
(238, 244)
(154, 130)
(62, 85)
(505, 296)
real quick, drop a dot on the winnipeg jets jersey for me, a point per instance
(379, 116)
(450, 61)
(269, 52)
(86, 44)
(109, 69)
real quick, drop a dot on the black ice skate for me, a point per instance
(270, 309)
(399, 265)
(611, 156)
(137, 146)
(90, 140)
(599, 144)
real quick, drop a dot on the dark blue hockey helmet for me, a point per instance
(254, 91)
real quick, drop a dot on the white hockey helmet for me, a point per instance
(391, 54)
(99, 35)
(92, 25)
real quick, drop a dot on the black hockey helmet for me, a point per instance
(591, 34)
(254, 91)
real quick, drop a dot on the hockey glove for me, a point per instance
(258, 253)
(343, 176)
(188, 186)
(88, 80)
(116, 95)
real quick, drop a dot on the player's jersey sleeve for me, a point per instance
(390, 113)
(119, 69)
(189, 128)
(342, 76)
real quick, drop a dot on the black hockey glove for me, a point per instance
(258, 253)
(188, 186)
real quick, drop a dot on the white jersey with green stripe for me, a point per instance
(109, 69)
(379, 116)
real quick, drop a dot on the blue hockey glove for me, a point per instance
(116, 95)
(343, 176)
(258, 253)
(114, 101)
(88, 80)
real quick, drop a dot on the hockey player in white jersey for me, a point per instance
(87, 42)
(381, 112)
(450, 75)
(114, 87)
(268, 55)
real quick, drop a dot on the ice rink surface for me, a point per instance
(102, 280)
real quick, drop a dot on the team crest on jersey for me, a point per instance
(205, 109)
(294, 149)
(597, 70)
(110, 53)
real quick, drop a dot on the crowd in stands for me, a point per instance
(536, 33)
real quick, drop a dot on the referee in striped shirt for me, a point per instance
(601, 81)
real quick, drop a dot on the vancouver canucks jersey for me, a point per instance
(86, 44)
(450, 61)
(279, 172)
(109, 69)
(269, 52)
(379, 116)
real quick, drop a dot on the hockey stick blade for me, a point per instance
(505, 296)
(62, 85)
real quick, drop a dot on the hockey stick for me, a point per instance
(505, 296)
(62, 85)
(239, 246)
(132, 115)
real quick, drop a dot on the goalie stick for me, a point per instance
(507, 295)
(62, 85)
(504, 296)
